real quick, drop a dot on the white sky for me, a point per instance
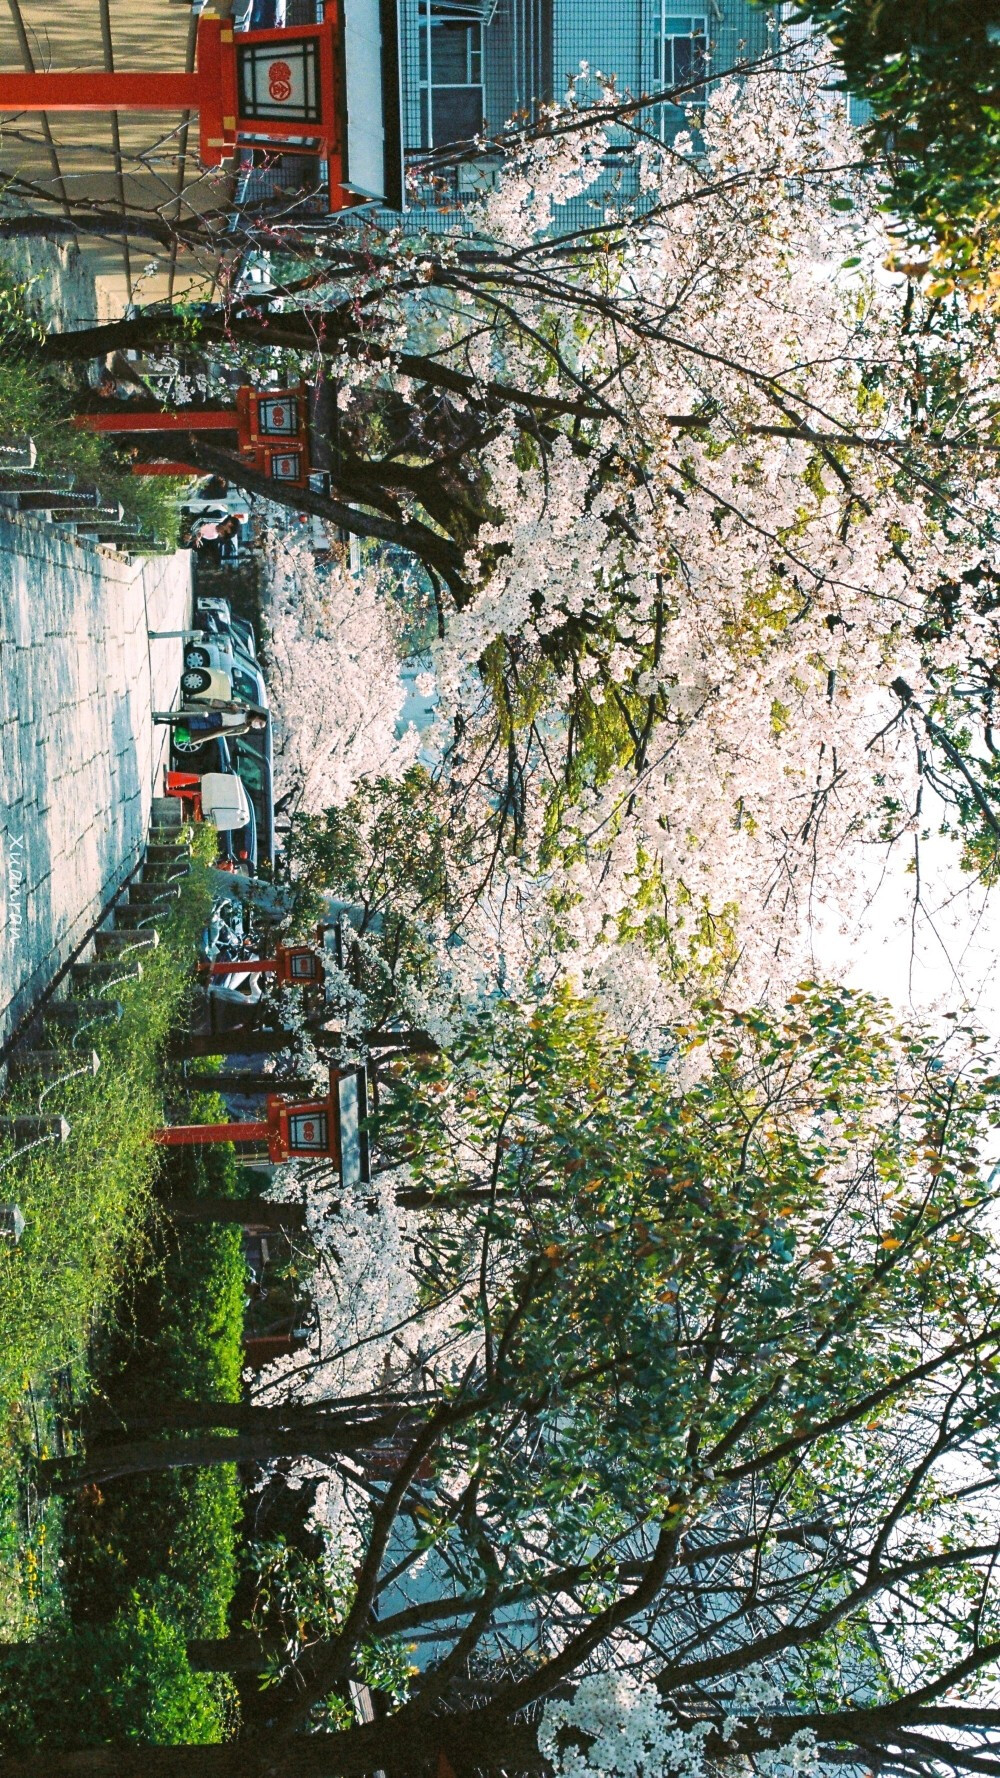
(945, 959)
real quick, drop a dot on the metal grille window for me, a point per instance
(684, 55)
(451, 73)
(310, 1131)
(278, 418)
(287, 467)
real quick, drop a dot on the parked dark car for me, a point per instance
(215, 617)
(238, 846)
(252, 756)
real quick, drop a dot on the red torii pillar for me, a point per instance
(189, 1135)
(315, 1129)
(170, 420)
(296, 966)
(306, 1131)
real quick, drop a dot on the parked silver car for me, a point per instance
(202, 660)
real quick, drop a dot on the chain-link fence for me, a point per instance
(468, 68)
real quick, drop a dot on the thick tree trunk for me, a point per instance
(265, 1213)
(199, 1451)
(355, 1423)
(245, 1083)
(249, 325)
(421, 1198)
(211, 1433)
(250, 1213)
(265, 1043)
(430, 547)
(409, 1744)
(91, 219)
(24, 227)
(229, 1043)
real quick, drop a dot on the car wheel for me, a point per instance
(196, 680)
(196, 657)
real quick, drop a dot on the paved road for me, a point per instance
(79, 757)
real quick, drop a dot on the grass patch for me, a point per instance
(86, 1201)
(100, 1592)
(30, 1558)
(38, 402)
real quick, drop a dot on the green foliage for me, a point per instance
(301, 1599)
(30, 1542)
(930, 75)
(150, 1564)
(177, 1531)
(736, 1299)
(181, 1341)
(383, 854)
(128, 1680)
(963, 759)
(805, 1185)
(386, 838)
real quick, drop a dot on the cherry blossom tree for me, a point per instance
(332, 653)
(705, 496)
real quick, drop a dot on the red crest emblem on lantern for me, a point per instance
(279, 81)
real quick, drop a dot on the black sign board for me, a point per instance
(352, 1109)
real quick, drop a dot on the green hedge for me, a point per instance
(183, 1339)
(91, 1685)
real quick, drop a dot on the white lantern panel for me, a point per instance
(280, 81)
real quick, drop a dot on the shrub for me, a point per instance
(177, 1531)
(129, 1680)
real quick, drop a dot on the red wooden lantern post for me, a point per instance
(271, 428)
(281, 90)
(295, 966)
(314, 1129)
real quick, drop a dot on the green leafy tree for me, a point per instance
(383, 855)
(706, 1393)
(930, 77)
